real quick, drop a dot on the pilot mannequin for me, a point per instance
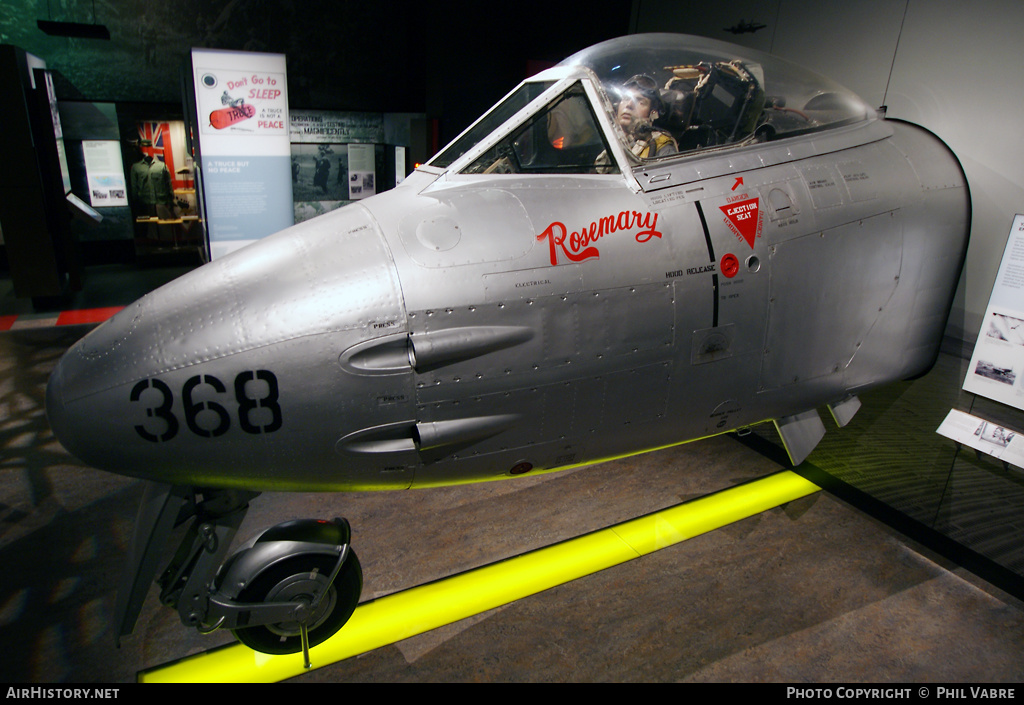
(639, 107)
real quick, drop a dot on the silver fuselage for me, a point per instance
(473, 326)
(424, 337)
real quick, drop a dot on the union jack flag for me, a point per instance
(154, 132)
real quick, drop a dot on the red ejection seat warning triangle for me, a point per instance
(743, 218)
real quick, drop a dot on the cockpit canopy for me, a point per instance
(659, 96)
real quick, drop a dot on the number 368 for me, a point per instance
(256, 414)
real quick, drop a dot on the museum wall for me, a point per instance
(435, 66)
(330, 66)
(952, 67)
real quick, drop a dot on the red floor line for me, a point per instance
(88, 315)
(66, 318)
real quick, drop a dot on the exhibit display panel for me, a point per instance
(338, 158)
(241, 126)
(104, 173)
(997, 366)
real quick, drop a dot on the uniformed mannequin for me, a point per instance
(153, 192)
(151, 184)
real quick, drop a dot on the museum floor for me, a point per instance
(812, 591)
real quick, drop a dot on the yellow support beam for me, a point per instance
(405, 614)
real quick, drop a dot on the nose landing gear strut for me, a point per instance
(291, 588)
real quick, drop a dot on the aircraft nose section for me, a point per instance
(234, 351)
(76, 388)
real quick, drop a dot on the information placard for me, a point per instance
(399, 164)
(997, 366)
(105, 173)
(361, 171)
(242, 105)
(992, 439)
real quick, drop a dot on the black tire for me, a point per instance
(292, 579)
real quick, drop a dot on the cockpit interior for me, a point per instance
(656, 97)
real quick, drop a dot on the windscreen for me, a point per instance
(494, 119)
(563, 138)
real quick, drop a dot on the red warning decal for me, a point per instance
(744, 218)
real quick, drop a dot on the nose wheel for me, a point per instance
(300, 580)
(292, 587)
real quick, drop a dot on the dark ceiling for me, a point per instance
(451, 60)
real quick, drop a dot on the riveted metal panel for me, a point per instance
(461, 228)
(826, 292)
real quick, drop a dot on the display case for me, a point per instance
(161, 188)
